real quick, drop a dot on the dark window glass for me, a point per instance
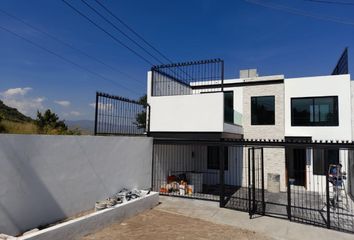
(322, 158)
(213, 158)
(229, 107)
(262, 110)
(314, 111)
(319, 162)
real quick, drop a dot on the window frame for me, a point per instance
(262, 124)
(335, 122)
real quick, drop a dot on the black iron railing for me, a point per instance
(294, 178)
(187, 78)
(115, 115)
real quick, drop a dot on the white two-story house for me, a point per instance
(252, 107)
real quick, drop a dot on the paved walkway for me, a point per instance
(271, 227)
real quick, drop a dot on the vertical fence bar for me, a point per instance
(328, 205)
(249, 183)
(222, 171)
(253, 182)
(96, 114)
(288, 184)
(222, 75)
(262, 176)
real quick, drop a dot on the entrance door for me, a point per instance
(296, 167)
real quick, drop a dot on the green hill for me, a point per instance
(12, 121)
(12, 114)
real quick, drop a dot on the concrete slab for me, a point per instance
(272, 227)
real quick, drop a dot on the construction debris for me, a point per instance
(122, 196)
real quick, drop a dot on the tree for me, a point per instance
(141, 117)
(49, 123)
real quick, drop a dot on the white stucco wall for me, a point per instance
(338, 85)
(178, 159)
(187, 113)
(44, 179)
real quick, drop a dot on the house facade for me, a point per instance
(254, 107)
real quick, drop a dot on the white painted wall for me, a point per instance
(191, 113)
(187, 113)
(178, 159)
(338, 85)
(44, 179)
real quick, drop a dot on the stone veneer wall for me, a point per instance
(274, 158)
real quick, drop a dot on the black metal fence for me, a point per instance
(115, 115)
(187, 78)
(300, 180)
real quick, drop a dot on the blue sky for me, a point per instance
(274, 39)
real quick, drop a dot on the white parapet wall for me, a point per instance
(187, 113)
(44, 179)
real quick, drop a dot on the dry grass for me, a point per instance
(19, 127)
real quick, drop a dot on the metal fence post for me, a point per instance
(253, 182)
(222, 75)
(222, 170)
(288, 183)
(249, 183)
(262, 172)
(328, 204)
(96, 113)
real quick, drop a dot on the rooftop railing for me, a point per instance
(188, 78)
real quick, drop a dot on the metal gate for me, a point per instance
(256, 181)
(241, 176)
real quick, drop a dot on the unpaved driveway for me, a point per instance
(155, 224)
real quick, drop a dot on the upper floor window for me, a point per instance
(262, 110)
(314, 111)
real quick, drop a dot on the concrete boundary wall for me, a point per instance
(95, 221)
(44, 179)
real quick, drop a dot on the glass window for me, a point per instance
(314, 111)
(262, 110)
(229, 107)
(322, 158)
(213, 158)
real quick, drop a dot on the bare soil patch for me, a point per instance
(156, 224)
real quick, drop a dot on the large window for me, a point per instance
(322, 158)
(213, 158)
(262, 110)
(314, 111)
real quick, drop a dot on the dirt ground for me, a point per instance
(155, 224)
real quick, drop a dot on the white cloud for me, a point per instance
(63, 103)
(75, 113)
(72, 113)
(16, 98)
(102, 106)
(16, 91)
